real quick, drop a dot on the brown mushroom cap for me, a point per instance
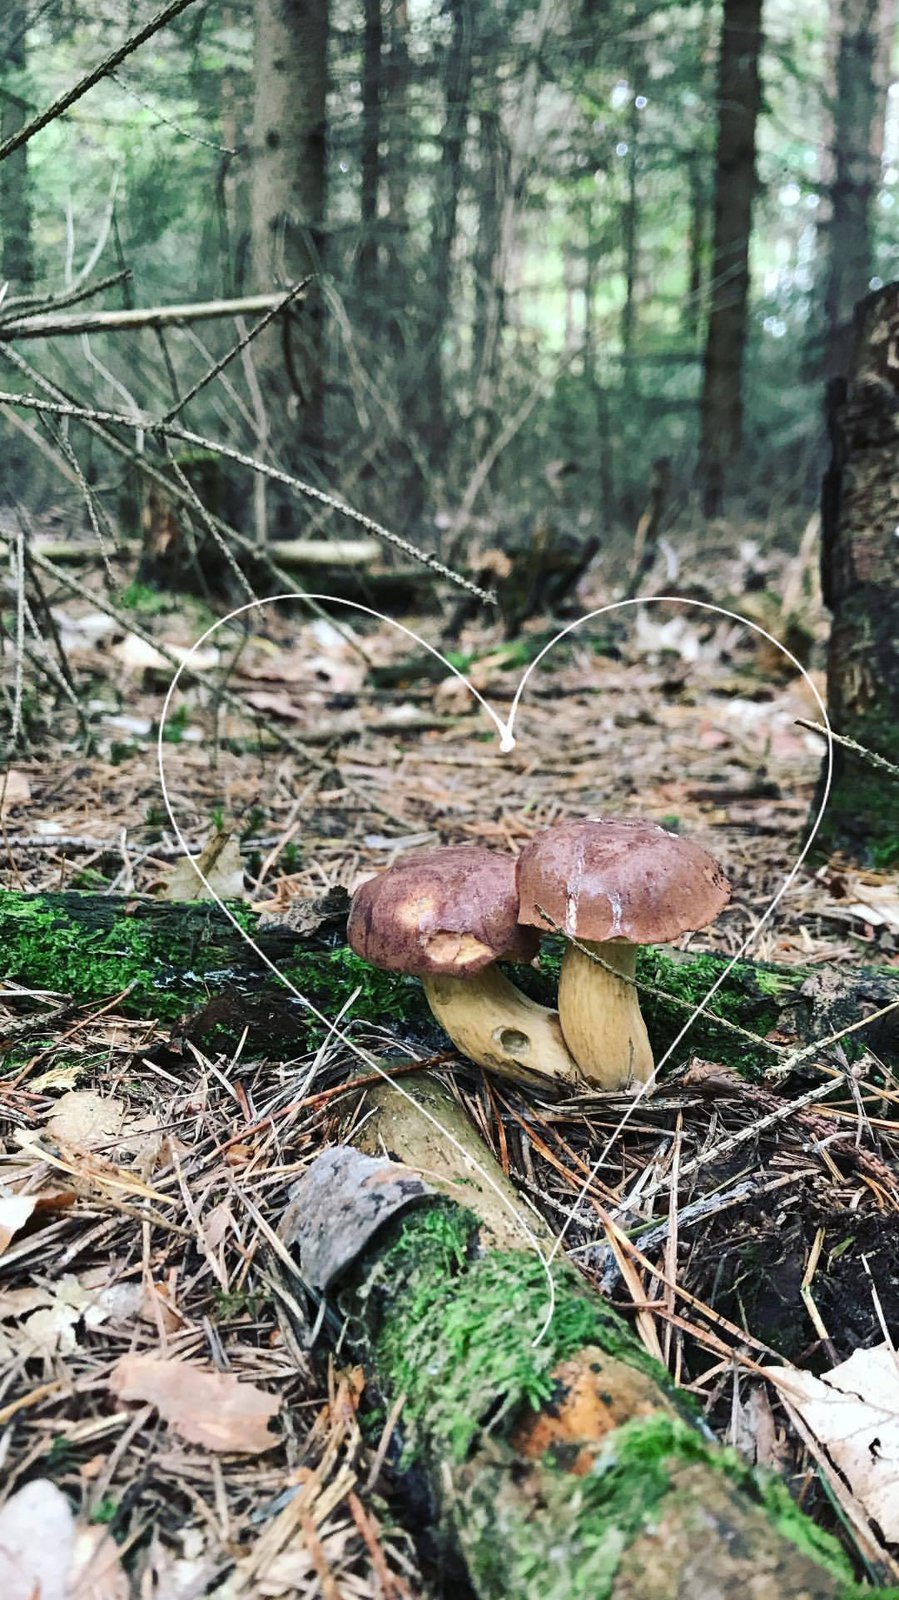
(619, 878)
(449, 912)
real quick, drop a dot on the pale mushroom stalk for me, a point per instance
(603, 1026)
(493, 1023)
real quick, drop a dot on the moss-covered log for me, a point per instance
(561, 1462)
(188, 961)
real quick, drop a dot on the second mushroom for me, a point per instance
(611, 884)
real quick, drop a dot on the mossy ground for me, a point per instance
(173, 960)
(453, 1330)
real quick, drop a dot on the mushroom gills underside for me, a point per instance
(494, 1024)
(600, 1014)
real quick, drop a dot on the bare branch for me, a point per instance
(107, 65)
(49, 325)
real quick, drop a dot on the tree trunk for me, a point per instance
(398, 133)
(17, 260)
(696, 243)
(739, 100)
(187, 959)
(560, 1458)
(288, 216)
(372, 70)
(860, 580)
(489, 284)
(444, 209)
(858, 109)
(629, 230)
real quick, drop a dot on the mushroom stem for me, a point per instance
(600, 1015)
(494, 1024)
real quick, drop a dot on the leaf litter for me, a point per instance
(136, 1243)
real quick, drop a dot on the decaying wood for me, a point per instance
(415, 1117)
(572, 1469)
(188, 960)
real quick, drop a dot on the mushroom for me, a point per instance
(447, 916)
(613, 883)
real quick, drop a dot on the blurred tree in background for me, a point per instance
(539, 230)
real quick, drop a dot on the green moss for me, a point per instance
(48, 949)
(455, 1330)
(570, 1545)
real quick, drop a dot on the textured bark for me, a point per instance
(561, 1466)
(489, 286)
(444, 210)
(287, 216)
(372, 73)
(17, 261)
(861, 69)
(739, 101)
(397, 87)
(860, 582)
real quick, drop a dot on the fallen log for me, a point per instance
(187, 963)
(561, 1461)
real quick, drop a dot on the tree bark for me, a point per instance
(288, 219)
(739, 101)
(17, 259)
(857, 120)
(372, 74)
(444, 209)
(489, 286)
(187, 960)
(860, 582)
(560, 1459)
(398, 132)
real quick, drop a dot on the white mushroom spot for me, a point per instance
(458, 949)
(571, 913)
(615, 903)
(413, 912)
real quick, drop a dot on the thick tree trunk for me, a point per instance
(857, 121)
(860, 581)
(187, 960)
(17, 260)
(288, 216)
(739, 100)
(372, 73)
(560, 1459)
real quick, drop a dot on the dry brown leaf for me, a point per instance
(853, 1411)
(220, 863)
(36, 1540)
(210, 1408)
(278, 705)
(86, 1120)
(15, 790)
(15, 1211)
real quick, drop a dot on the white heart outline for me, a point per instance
(507, 744)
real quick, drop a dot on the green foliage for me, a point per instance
(142, 598)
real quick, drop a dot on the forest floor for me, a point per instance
(142, 1178)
